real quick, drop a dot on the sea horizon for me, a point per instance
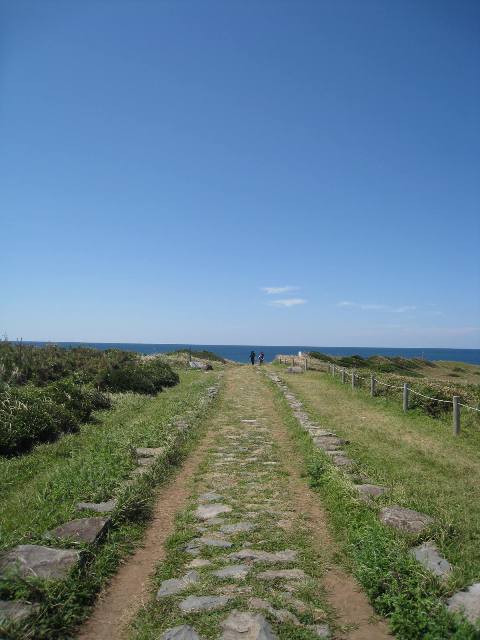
(240, 352)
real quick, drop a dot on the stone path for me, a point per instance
(245, 562)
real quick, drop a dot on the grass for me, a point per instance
(39, 491)
(397, 586)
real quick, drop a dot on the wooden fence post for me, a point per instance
(343, 376)
(373, 384)
(405, 397)
(333, 370)
(306, 364)
(456, 415)
(353, 379)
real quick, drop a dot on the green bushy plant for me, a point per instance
(29, 415)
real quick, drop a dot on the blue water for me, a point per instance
(240, 353)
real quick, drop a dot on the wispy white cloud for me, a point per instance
(376, 307)
(288, 302)
(276, 290)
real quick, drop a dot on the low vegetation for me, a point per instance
(422, 468)
(40, 490)
(392, 373)
(202, 355)
(47, 391)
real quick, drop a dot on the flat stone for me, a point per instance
(282, 574)
(203, 603)
(242, 625)
(427, 554)
(466, 602)
(210, 541)
(16, 610)
(145, 462)
(207, 511)
(177, 585)
(254, 555)
(405, 519)
(295, 370)
(99, 507)
(87, 530)
(198, 562)
(370, 490)
(34, 560)
(238, 527)
(210, 496)
(249, 421)
(183, 632)
(149, 452)
(236, 571)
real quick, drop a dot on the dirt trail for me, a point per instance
(254, 468)
(119, 602)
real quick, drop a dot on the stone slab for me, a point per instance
(183, 632)
(87, 530)
(370, 490)
(203, 603)
(235, 571)
(211, 541)
(149, 452)
(238, 527)
(242, 625)
(145, 462)
(405, 520)
(35, 560)
(428, 556)
(177, 585)
(99, 507)
(16, 610)
(282, 574)
(270, 557)
(207, 511)
(467, 602)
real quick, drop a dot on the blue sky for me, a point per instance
(241, 172)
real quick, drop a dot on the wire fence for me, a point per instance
(303, 363)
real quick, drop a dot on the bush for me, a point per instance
(78, 398)
(29, 415)
(318, 355)
(142, 377)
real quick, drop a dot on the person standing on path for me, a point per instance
(252, 357)
(261, 357)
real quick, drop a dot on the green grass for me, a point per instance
(425, 469)
(39, 491)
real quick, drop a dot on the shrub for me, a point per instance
(78, 398)
(149, 377)
(318, 355)
(29, 415)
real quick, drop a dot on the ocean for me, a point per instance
(240, 353)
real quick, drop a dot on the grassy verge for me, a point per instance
(40, 490)
(397, 586)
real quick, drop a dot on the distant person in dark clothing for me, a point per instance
(261, 357)
(252, 357)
